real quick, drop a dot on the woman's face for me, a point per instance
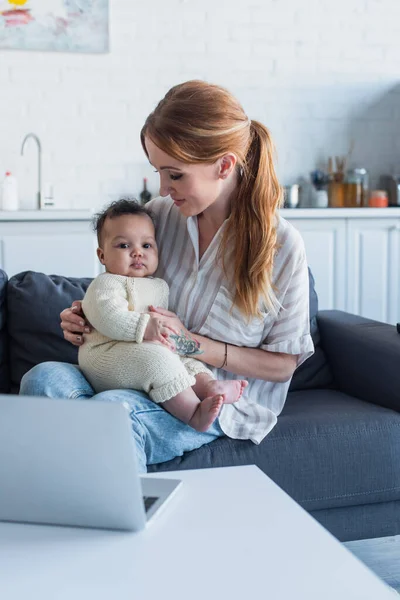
(192, 187)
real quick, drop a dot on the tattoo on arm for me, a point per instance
(186, 345)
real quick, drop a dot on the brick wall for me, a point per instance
(318, 73)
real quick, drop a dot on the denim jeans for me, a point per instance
(158, 435)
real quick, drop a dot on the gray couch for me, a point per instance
(336, 447)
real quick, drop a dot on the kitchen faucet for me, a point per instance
(39, 147)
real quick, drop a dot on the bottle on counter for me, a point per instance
(145, 195)
(9, 196)
(364, 176)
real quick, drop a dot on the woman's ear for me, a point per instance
(100, 255)
(227, 165)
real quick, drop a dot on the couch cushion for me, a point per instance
(4, 362)
(327, 450)
(35, 301)
(315, 371)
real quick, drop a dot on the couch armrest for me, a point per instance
(364, 356)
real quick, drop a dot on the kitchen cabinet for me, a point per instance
(373, 276)
(325, 242)
(354, 255)
(53, 242)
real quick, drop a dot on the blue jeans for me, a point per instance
(158, 435)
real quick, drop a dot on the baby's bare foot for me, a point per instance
(206, 413)
(231, 389)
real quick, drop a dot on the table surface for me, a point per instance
(229, 533)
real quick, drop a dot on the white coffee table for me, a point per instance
(228, 533)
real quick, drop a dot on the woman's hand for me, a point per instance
(157, 331)
(73, 323)
(185, 342)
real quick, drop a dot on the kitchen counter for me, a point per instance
(50, 214)
(340, 213)
(353, 253)
(47, 214)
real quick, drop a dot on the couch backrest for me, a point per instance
(314, 372)
(35, 301)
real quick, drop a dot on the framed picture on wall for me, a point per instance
(54, 25)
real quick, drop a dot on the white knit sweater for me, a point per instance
(114, 355)
(116, 306)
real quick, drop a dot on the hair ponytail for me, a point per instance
(252, 225)
(197, 122)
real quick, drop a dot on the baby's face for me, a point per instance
(128, 246)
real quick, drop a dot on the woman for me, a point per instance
(237, 272)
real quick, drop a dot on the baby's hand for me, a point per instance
(156, 331)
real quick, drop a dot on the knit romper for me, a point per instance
(114, 355)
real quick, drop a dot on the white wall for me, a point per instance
(317, 72)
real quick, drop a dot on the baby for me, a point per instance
(128, 350)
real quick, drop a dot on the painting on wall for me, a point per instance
(54, 25)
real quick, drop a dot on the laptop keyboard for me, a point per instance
(149, 501)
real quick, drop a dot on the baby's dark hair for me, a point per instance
(118, 208)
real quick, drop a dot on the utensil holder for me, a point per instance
(336, 194)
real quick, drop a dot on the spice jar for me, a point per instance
(378, 199)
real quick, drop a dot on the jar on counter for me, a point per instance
(353, 189)
(364, 177)
(378, 199)
(291, 196)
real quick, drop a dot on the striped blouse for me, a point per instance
(201, 296)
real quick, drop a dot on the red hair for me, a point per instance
(197, 122)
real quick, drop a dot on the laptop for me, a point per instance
(73, 462)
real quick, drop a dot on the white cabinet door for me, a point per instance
(374, 268)
(69, 254)
(52, 247)
(325, 242)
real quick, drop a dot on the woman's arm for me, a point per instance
(249, 362)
